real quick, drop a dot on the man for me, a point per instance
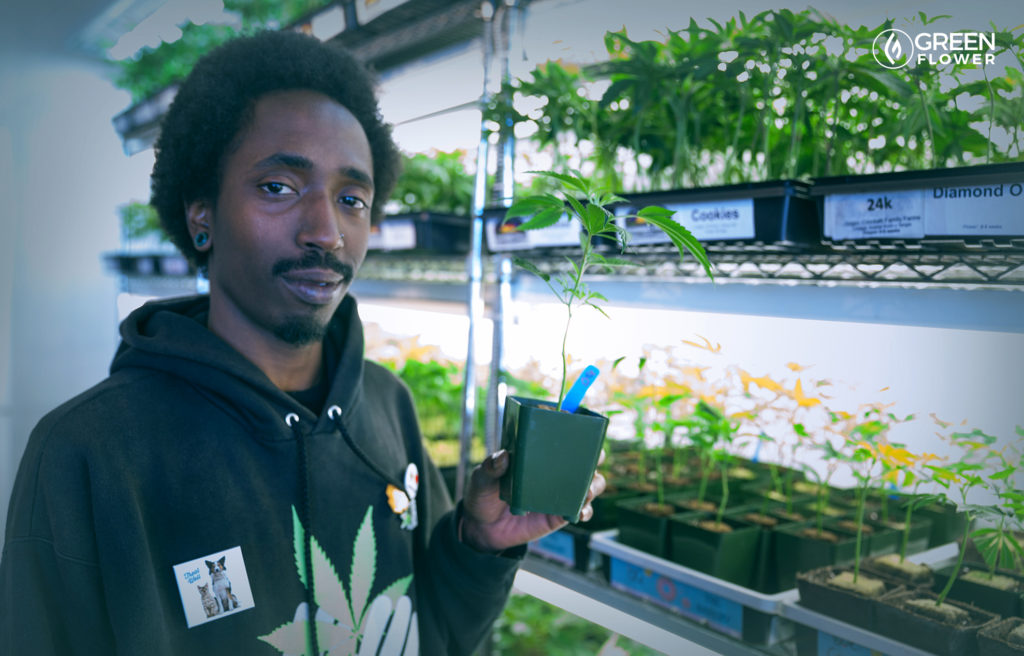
(244, 480)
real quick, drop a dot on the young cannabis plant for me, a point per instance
(589, 207)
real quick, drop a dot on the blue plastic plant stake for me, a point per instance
(574, 396)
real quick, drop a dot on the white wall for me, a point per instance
(62, 176)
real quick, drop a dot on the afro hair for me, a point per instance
(215, 104)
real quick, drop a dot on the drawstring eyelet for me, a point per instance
(333, 412)
(291, 419)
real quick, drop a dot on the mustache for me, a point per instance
(314, 260)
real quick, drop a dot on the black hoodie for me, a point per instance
(178, 492)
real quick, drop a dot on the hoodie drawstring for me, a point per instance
(305, 513)
(334, 414)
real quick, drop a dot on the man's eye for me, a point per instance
(275, 188)
(353, 201)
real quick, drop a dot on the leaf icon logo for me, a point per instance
(893, 48)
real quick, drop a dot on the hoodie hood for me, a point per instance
(171, 336)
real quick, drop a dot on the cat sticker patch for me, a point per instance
(213, 587)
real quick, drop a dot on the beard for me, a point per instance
(302, 331)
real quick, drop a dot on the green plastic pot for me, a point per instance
(640, 529)
(553, 456)
(729, 556)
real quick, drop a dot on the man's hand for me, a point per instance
(487, 524)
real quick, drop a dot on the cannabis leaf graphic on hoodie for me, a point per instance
(349, 623)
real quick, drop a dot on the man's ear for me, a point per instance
(197, 217)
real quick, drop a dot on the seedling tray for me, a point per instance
(569, 546)
(749, 213)
(820, 635)
(730, 609)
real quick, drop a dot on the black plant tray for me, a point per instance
(992, 640)
(844, 605)
(1000, 602)
(774, 212)
(942, 209)
(422, 231)
(919, 631)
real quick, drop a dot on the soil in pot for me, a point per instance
(764, 521)
(1004, 638)
(1000, 594)
(643, 525)
(914, 618)
(834, 592)
(696, 505)
(801, 547)
(905, 571)
(724, 549)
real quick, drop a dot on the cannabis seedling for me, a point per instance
(589, 207)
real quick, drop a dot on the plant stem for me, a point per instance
(862, 492)
(959, 562)
(565, 359)
(906, 533)
(703, 480)
(725, 492)
(820, 507)
(660, 472)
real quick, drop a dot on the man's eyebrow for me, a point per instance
(288, 160)
(293, 161)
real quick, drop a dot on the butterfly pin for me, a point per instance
(402, 502)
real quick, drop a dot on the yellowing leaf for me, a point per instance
(943, 424)
(693, 372)
(801, 399)
(707, 346)
(896, 454)
(795, 367)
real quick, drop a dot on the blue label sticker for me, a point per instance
(830, 645)
(556, 546)
(720, 614)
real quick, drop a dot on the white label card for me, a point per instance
(504, 236)
(213, 587)
(993, 210)
(730, 219)
(882, 215)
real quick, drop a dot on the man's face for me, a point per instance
(291, 222)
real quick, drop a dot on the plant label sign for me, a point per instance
(829, 644)
(557, 546)
(505, 236)
(718, 220)
(995, 210)
(393, 235)
(722, 615)
(882, 215)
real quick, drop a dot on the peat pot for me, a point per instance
(819, 593)
(1002, 638)
(552, 457)
(896, 620)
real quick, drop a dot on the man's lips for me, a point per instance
(314, 286)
